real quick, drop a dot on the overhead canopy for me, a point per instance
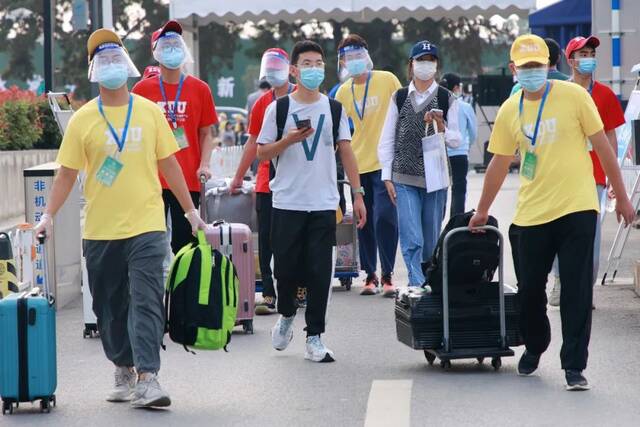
(562, 21)
(201, 12)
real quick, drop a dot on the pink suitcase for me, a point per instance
(236, 242)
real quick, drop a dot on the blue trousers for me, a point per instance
(419, 222)
(380, 234)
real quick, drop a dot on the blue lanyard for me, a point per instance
(591, 87)
(289, 89)
(537, 127)
(364, 100)
(119, 141)
(172, 112)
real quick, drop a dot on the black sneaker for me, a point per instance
(576, 381)
(528, 364)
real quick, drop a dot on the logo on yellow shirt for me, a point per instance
(546, 132)
(133, 143)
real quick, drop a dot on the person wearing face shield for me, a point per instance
(553, 123)
(299, 135)
(365, 97)
(122, 141)
(459, 156)
(409, 119)
(274, 69)
(190, 111)
(581, 56)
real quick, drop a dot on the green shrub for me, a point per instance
(20, 125)
(51, 137)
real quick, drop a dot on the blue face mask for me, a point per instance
(587, 65)
(356, 67)
(532, 79)
(172, 58)
(112, 76)
(311, 78)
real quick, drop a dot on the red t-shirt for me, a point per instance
(612, 116)
(255, 125)
(196, 110)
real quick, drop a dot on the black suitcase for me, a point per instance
(464, 321)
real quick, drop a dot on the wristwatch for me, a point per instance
(359, 190)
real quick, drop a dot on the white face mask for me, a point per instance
(424, 70)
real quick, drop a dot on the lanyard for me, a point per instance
(289, 89)
(591, 87)
(172, 112)
(364, 99)
(535, 131)
(119, 141)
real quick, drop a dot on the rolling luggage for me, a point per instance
(234, 240)
(234, 208)
(28, 347)
(464, 321)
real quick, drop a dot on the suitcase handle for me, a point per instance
(42, 237)
(203, 210)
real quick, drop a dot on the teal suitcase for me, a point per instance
(28, 349)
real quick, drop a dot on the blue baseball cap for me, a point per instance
(424, 47)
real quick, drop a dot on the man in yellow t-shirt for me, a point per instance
(121, 141)
(550, 122)
(365, 98)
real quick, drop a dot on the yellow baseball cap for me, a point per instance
(529, 48)
(100, 37)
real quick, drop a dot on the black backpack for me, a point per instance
(282, 111)
(443, 99)
(473, 257)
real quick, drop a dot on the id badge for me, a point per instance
(180, 137)
(529, 165)
(109, 171)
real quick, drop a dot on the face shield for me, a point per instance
(274, 68)
(171, 51)
(109, 60)
(356, 59)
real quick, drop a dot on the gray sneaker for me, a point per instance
(125, 383)
(282, 332)
(316, 351)
(149, 394)
(554, 298)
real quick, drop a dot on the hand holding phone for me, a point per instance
(303, 124)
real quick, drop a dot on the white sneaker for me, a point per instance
(149, 394)
(282, 332)
(316, 351)
(125, 383)
(554, 298)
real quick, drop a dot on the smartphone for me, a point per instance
(304, 124)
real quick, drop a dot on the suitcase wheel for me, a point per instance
(430, 357)
(346, 282)
(445, 364)
(480, 360)
(45, 405)
(247, 326)
(496, 362)
(7, 407)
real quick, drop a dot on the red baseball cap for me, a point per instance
(151, 71)
(578, 43)
(279, 51)
(169, 26)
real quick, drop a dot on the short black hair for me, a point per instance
(450, 80)
(305, 46)
(555, 53)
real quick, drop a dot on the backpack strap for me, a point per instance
(401, 97)
(282, 111)
(336, 116)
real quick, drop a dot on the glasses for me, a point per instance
(110, 59)
(310, 64)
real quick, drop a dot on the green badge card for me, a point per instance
(529, 165)
(181, 138)
(109, 171)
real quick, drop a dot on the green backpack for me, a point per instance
(201, 298)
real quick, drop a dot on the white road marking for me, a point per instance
(389, 404)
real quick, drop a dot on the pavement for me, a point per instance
(376, 380)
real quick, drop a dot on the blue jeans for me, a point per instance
(419, 224)
(596, 243)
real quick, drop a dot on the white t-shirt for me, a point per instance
(306, 176)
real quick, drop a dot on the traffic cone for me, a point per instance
(8, 280)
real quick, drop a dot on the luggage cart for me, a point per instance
(446, 354)
(347, 234)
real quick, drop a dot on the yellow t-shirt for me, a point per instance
(563, 181)
(367, 131)
(133, 204)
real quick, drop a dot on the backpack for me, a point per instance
(443, 99)
(201, 297)
(282, 111)
(473, 257)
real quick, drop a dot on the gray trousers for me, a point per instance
(125, 278)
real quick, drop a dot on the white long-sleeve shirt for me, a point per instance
(452, 135)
